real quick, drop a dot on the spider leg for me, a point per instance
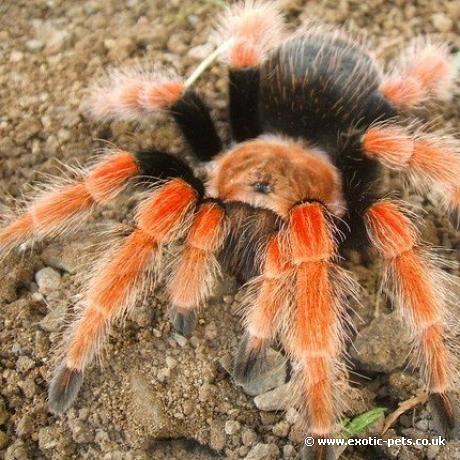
(418, 290)
(137, 94)
(316, 341)
(161, 218)
(252, 29)
(424, 70)
(428, 159)
(261, 315)
(197, 268)
(62, 206)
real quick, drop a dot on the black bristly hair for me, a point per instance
(193, 119)
(244, 103)
(155, 165)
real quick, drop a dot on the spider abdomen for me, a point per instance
(318, 86)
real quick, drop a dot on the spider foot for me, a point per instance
(64, 388)
(183, 321)
(317, 452)
(446, 415)
(249, 358)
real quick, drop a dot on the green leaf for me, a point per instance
(362, 421)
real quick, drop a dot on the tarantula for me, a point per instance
(312, 119)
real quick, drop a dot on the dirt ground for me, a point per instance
(158, 395)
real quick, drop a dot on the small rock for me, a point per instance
(432, 452)
(402, 385)
(16, 56)
(27, 129)
(24, 364)
(48, 280)
(281, 429)
(171, 363)
(200, 52)
(148, 408)
(272, 374)
(232, 427)
(35, 45)
(17, 451)
(4, 414)
(249, 437)
(383, 345)
(47, 438)
(441, 22)
(217, 438)
(263, 452)
(24, 426)
(180, 339)
(54, 320)
(3, 440)
(81, 433)
(288, 451)
(210, 331)
(276, 399)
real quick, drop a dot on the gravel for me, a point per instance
(157, 394)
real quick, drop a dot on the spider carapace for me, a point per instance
(313, 118)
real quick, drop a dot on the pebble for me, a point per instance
(281, 429)
(210, 331)
(47, 438)
(4, 414)
(180, 339)
(17, 451)
(441, 22)
(263, 452)
(26, 129)
(48, 280)
(54, 320)
(276, 399)
(24, 426)
(248, 437)
(171, 363)
(35, 45)
(383, 345)
(232, 427)
(24, 364)
(271, 375)
(3, 439)
(81, 432)
(200, 52)
(288, 451)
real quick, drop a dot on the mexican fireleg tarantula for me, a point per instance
(312, 119)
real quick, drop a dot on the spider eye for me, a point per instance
(262, 187)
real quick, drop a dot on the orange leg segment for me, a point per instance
(426, 159)
(55, 210)
(193, 276)
(262, 315)
(426, 70)
(160, 219)
(418, 292)
(316, 343)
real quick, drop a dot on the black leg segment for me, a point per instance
(194, 120)
(154, 165)
(244, 103)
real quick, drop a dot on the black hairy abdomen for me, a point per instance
(323, 89)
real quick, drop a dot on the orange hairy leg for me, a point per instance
(425, 159)
(426, 70)
(418, 291)
(316, 341)
(261, 316)
(55, 210)
(197, 268)
(160, 219)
